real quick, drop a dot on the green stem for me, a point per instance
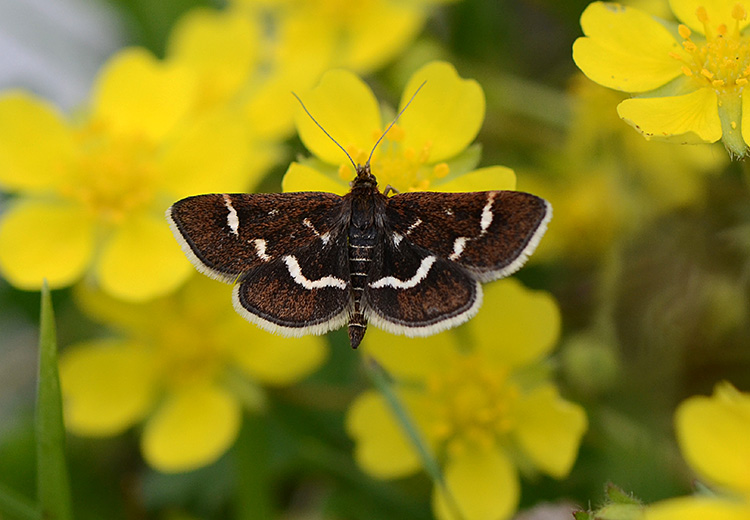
(53, 487)
(383, 383)
(253, 497)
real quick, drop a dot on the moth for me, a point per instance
(310, 262)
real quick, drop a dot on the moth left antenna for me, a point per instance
(394, 120)
(324, 130)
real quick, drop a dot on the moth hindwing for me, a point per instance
(310, 262)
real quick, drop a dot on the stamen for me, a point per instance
(738, 12)
(396, 134)
(684, 31)
(702, 15)
(441, 170)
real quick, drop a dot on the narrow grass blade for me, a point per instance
(16, 506)
(251, 451)
(382, 382)
(53, 487)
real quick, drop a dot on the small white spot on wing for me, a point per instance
(414, 226)
(486, 220)
(260, 249)
(325, 237)
(458, 247)
(233, 220)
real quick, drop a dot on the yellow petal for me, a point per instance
(483, 179)
(210, 155)
(142, 260)
(346, 107)
(193, 428)
(221, 46)
(107, 386)
(713, 433)
(381, 449)
(271, 108)
(35, 144)
(745, 125)
(697, 508)
(410, 359)
(625, 48)
(138, 95)
(690, 118)
(549, 430)
(277, 360)
(516, 325)
(446, 114)
(117, 314)
(51, 240)
(484, 484)
(378, 32)
(300, 177)
(302, 52)
(719, 12)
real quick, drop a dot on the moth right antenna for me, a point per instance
(394, 120)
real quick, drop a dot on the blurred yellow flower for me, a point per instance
(427, 149)
(185, 365)
(689, 80)
(366, 34)
(714, 436)
(241, 63)
(93, 189)
(482, 401)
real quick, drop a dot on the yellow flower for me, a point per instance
(689, 81)
(92, 189)
(713, 433)
(185, 365)
(426, 149)
(482, 401)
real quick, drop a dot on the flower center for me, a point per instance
(403, 168)
(191, 354)
(723, 60)
(473, 404)
(114, 174)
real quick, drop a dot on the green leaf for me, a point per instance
(53, 487)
